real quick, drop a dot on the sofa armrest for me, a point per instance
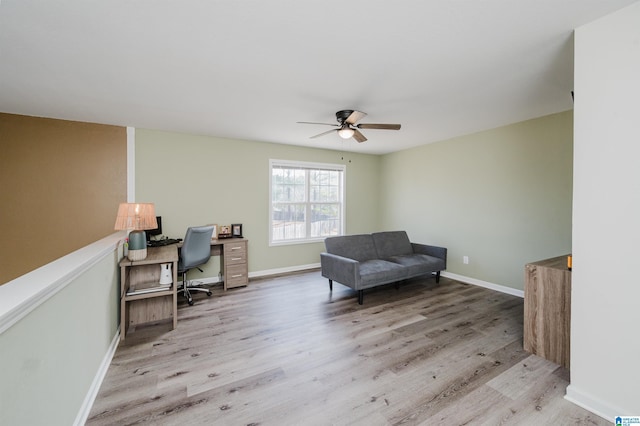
(341, 269)
(435, 251)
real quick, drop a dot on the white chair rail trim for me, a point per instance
(25, 293)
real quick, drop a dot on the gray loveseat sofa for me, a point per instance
(369, 260)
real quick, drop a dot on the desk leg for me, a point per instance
(175, 294)
(123, 304)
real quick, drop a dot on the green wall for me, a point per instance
(501, 197)
(196, 180)
(50, 357)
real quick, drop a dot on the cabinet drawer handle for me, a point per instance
(236, 276)
(236, 258)
(236, 248)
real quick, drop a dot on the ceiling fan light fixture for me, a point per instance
(346, 132)
(347, 127)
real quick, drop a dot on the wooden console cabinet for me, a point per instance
(142, 298)
(547, 309)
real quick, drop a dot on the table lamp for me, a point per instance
(136, 217)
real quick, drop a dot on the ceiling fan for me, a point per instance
(348, 128)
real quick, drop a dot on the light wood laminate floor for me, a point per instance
(286, 351)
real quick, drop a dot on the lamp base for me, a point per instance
(137, 245)
(137, 240)
(137, 254)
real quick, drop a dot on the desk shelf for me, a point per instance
(147, 292)
(142, 298)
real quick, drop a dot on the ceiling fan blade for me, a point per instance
(311, 122)
(324, 133)
(378, 126)
(358, 136)
(355, 116)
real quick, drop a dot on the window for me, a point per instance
(306, 202)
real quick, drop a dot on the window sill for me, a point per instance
(296, 242)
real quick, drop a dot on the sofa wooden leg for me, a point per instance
(330, 285)
(437, 277)
(360, 297)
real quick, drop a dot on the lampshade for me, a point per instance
(346, 132)
(138, 216)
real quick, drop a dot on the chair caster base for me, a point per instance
(190, 301)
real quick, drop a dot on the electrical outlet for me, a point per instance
(465, 260)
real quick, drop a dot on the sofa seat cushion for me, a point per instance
(418, 264)
(376, 271)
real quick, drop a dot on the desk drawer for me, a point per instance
(235, 253)
(236, 276)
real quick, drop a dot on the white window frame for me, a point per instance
(309, 166)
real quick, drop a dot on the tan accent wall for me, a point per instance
(60, 185)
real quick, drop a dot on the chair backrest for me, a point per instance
(196, 247)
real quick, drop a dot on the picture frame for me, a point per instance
(236, 230)
(224, 231)
(214, 236)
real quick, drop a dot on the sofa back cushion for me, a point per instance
(392, 243)
(357, 247)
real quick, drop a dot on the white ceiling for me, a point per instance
(250, 69)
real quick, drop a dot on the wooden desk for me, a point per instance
(234, 265)
(547, 309)
(142, 298)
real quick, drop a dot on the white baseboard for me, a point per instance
(264, 273)
(208, 280)
(289, 269)
(89, 399)
(300, 268)
(485, 284)
(594, 404)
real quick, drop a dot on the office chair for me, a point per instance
(196, 251)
